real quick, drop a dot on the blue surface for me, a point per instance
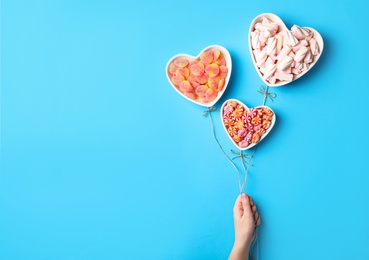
(102, 159)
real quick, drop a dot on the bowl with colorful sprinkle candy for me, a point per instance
(246, 126)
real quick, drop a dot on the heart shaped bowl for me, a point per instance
(281, 27)
(192, 96)
(247, 116)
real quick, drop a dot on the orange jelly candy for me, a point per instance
(212, 69)
(223, 71)
(200, 79)
(201, 90)
(180, 62)
(183, 72)
(221, 85)
(172, 68)
(190, 95)
(220, 61)
(210, 94)
(213, 82)
(185, 86)
(176, 80)
(216, 54)
(203, 79)
(207, 57)
(197, 69)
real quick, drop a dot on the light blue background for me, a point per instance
(102, 159)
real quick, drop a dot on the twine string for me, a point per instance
(270, 95)
(245, 160)
(208, 112)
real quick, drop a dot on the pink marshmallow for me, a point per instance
(269, 71)
(261, 58)
(295, 71)
(301, 53)
(285, 63)
(272, 80)
(271, 46)
(284, 76)
(285, 50)
(314, 47)
(290, 39)
(269, 61)
(309, 57)
(299, 45)
(279, 39)
(255, 43)
(299, 32)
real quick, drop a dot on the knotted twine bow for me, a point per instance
(266, 94)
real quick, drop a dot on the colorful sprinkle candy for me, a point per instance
(246, 126)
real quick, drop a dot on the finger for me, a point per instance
(251, 201)
(257, 222)
(254, 209)
(246, 204)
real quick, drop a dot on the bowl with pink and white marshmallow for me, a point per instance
(281, 55)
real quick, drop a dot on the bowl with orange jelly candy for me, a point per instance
(201, 79)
